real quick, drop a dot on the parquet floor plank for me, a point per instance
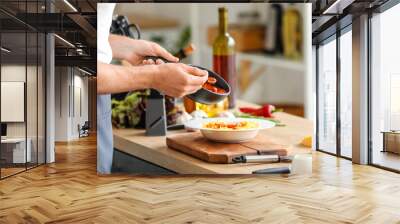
(69, 191)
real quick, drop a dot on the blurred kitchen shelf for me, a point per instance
(271, 60)
(153, 22)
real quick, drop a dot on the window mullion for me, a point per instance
(338, 91)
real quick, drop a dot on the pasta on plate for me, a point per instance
(222, 125)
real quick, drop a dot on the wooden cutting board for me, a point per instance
(196, 145)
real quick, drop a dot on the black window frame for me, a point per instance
(333, 37)
(30, 29)
(342, 24)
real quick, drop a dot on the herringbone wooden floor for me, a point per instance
(69, 191)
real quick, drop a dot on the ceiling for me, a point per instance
(72, 20)
(331, 15)
(75, 21)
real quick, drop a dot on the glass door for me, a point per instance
(35, 89)
(14, 144)
(346, 93)
(334, 100)
(326, 59)
(385, 89)
(22, 77)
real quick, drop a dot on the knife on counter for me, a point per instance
(265, 159)
(274, 170)
(262, 159)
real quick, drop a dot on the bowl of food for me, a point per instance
(229, 130)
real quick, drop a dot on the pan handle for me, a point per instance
(154, 58)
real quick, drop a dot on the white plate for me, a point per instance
(228, 136)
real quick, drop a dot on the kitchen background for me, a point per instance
(292, 84)
(273, 62)
(262, 77)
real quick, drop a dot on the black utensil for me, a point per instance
(203, 95)
(175, 127)
(276, 170)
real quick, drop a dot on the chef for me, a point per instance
(173, 79)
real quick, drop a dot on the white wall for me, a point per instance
(14, 73)
(61, 103)
(69, 83)
(12, 99)
(17, 73)
(82, 82)
(277, 86)
(79, 117)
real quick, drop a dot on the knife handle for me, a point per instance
(256, 159)
(276, 170)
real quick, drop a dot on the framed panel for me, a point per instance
(12, 98)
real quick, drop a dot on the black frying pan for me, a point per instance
(205, 96)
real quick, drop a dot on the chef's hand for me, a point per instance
(152, 62)
(177, 79)
(134, 51)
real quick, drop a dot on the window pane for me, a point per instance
(327, 97)
(395, 101)
(15, 150)
(346, 93)
(386, 88)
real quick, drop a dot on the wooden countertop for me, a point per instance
(155, 150)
